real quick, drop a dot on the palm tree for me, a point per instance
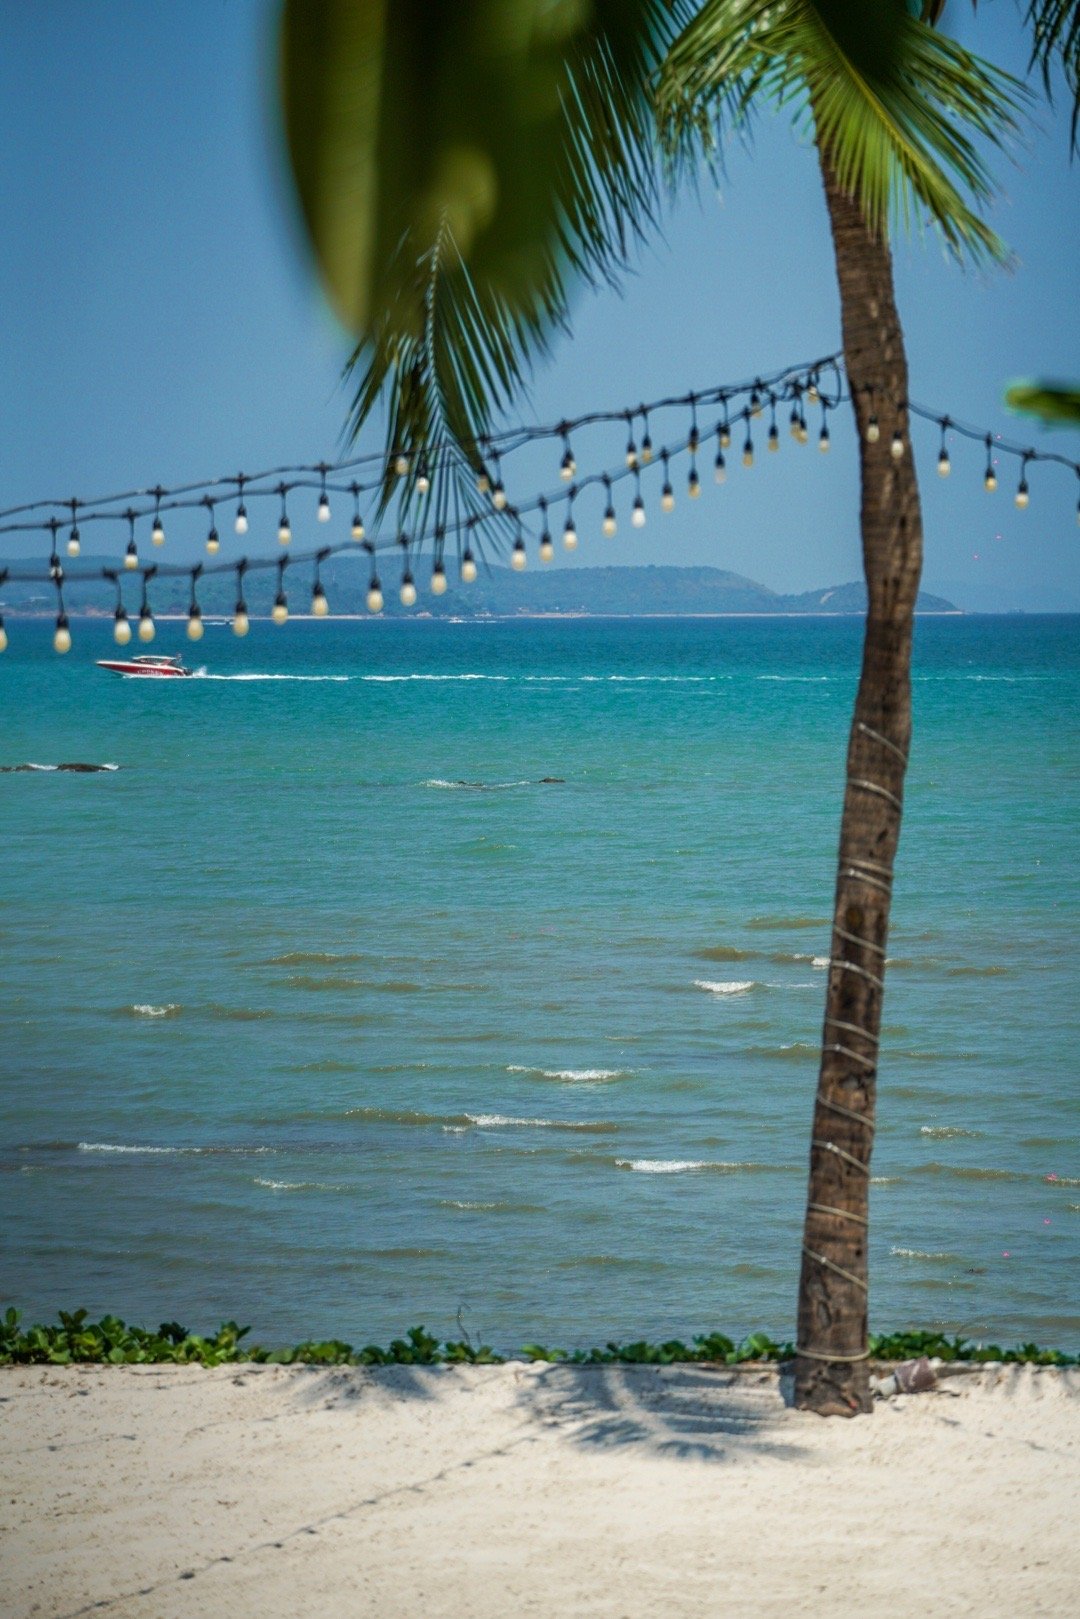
(460, 165)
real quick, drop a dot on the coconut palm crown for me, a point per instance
(462, 166)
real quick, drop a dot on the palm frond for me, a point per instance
(460, 165)
(1055, 36)
(897, 105)
(1056, 404)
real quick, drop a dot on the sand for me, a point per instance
(487, 1493)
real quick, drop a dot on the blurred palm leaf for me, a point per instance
(1056, 404)
(459, 164)
(897, 105)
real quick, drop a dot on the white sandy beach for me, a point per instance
(481, 1493)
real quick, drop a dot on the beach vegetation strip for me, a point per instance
(75, 1339)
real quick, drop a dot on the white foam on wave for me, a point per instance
(201, 674)
(918, 1253)
(674, 1166)
(108, 1146)
(388, 680)
(144, 1009)
(114, 1147)
(945, 1132)
(581, 1076)
(503, 1121)
(735, 986)
(472, 786)
(298, 1186)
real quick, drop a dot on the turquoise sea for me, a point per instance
(325, 1012)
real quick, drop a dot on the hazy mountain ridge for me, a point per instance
(498, 592)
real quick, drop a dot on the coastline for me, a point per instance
(168, 1492)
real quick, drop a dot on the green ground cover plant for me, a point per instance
(75, 1339)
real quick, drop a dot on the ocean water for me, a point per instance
(325, 1011)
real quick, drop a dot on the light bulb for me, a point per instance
(725, 437)
(423, 483)
(194, 623)
(720, 467)
(324, 509)
(637, 516)
(748, 454)
(483, 483)
(896, 448)
(873, 431)
(131, 557)
(631, 455)
(468, 568)
(990, 481)
(646, 450)
(438, 580)
(284, 532)
(498, 497)
(3, 636)
(357, 530)
(547, 549)
(773, 440)
(823, 441)
(518, 558)
(213, 544)
(1022, 495)
(280, 610)
(374, 597)
(693, 484)
(241, 623)
(401, 465)
(567, 466)
(157, 533)
(146, 625)
(121, 627)
(569, 537)
(408, 590)
(944, 465)
(755, 403)
(667, 498)
(73, 546)
(693, 441)
(812, 392)
(319, 604)
(62, 638)
(804, 431)
(241, 523)
(609, 524)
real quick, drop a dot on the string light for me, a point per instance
(547, 549)
(407, 592)
(667, 494)
(357, 527)
(793, 421)
(438, 578)
(637, 514)
(401, 463)
(73, 544)
(944, 465)
(773, 441)
(284, 532)
(194, 618)
(468, 567)
(374, 595)
(241, 623)
(567, 466)
(62, 637)
(240, 522)
(748, 447)
(631, 447)
(989, 476)
(646, 440)
(498, 492)
(719, 465)
(755, 399)
(131, 555)
(896, 448)
(693, 482)
(121, 626)
(519, 556)
(147, 628)
(213, 543)
(323, 510)
(725, 434)
(823, 442)
(569, 537)
(873, 430)
(3, 635)
(280, 610)
(609, 523)
(1023, 495)
(319, 604)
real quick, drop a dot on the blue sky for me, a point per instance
(161, 324)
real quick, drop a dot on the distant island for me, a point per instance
(499, 592)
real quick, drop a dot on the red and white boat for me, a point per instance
(155, 665)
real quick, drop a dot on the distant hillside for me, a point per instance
(498, 592)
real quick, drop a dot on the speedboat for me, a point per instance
(156, 665)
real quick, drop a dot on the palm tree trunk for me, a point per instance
(831, 1369)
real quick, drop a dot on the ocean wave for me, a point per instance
(977, 972)
(923, 1253)
(781, 924)
(184, 1152)
(963, 1172)
(685, 1166)
(796, 1051)
(583, 1076)
(480, 1121)
(464, 1205)
(299, 1186)
(725, 952)
(316, 958)
(144, 1009)
(738, 986)
(202, 674)
(76, 769)
(473, 786)
(946, 1132)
